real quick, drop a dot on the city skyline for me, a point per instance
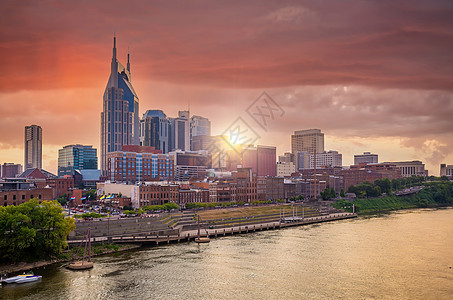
(384, 87)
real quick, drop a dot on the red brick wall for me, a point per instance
(22, 196)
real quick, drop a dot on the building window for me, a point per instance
(39, 196)
(5, 197)
(23, 197)
(14, 197)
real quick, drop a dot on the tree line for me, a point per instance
(384, 185)
(435, 193)
(33, 230)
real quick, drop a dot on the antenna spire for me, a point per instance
(128, 63)
(114, 65)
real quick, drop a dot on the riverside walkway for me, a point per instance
(189, 235)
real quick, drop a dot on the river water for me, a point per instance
(401, 255)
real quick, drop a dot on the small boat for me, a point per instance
(199, 239)
(28, 279)
(202, 240)
(17, 278)
(13, 279)
(84, 264)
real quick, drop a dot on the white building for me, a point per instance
(179, 137)
(410, 168)
(285, 169)
(329, 159)
(128, 190)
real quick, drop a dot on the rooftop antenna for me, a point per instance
(128, 63)
(114, 65)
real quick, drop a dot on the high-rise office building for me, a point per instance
(366, 157)
(302, 160)
(261, 159)
(311, 140)
(119, 117)
(199, 126)
(76, 157)
(33, 147)
(179, 137)
(286, 157)
(154, 130)
(218, 147)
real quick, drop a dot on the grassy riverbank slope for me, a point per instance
(434, 194)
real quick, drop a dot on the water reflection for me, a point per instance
(400, 255)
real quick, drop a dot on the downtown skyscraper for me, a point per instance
(119, 117)
(33, 147)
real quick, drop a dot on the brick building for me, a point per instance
(61, 186)
(369, 172)
(193, 195)
(274, 188)
(10, 170)
(16, 197)
(137, 166)
(158, 194)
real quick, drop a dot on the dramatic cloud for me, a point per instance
(58, 44)
(373, 75)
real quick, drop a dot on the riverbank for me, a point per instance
(153, 239)
(66, 257)
(434, 194)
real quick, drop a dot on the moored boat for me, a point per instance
(18, 278)
(28, 279)
(84, 264)
(13, 279)
(199, 239)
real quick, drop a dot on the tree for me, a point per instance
(384, 184)
(328, 193)
(33, 231)
(365, 189)
(62, 199)
(91, 194)
(342, 194)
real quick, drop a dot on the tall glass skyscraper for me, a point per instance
(199, 126)
(154, 130)
(33, 147)
(179, 137)
(76, 157)
(119, 117)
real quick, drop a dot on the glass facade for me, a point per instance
(119, 117)
(76, 157)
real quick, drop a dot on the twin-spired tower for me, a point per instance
(119, 116)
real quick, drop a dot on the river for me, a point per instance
(401, 255)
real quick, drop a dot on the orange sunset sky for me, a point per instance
(372, 75)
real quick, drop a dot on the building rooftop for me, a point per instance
(154, 113)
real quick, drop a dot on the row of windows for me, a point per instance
(5, 197)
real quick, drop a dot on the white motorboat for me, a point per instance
(28, 279)
(15, 278)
